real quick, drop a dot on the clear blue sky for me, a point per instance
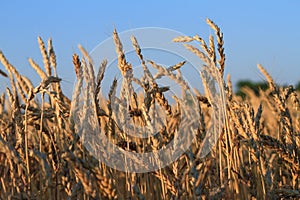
(266, 32)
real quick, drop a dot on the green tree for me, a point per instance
(255, 86)
(297, 87)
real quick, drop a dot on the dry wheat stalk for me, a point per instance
(52, 56)
(44, 53)
(23, 83)
(122, 64)
(42, 157)
(38, 69)
(220, 41)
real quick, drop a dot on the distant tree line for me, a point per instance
(256, 86)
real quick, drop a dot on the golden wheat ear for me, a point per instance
(45, 55)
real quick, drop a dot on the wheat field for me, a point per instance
(257, 155)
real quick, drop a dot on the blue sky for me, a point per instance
(265, 32)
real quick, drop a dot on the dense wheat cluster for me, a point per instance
(42, 157)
